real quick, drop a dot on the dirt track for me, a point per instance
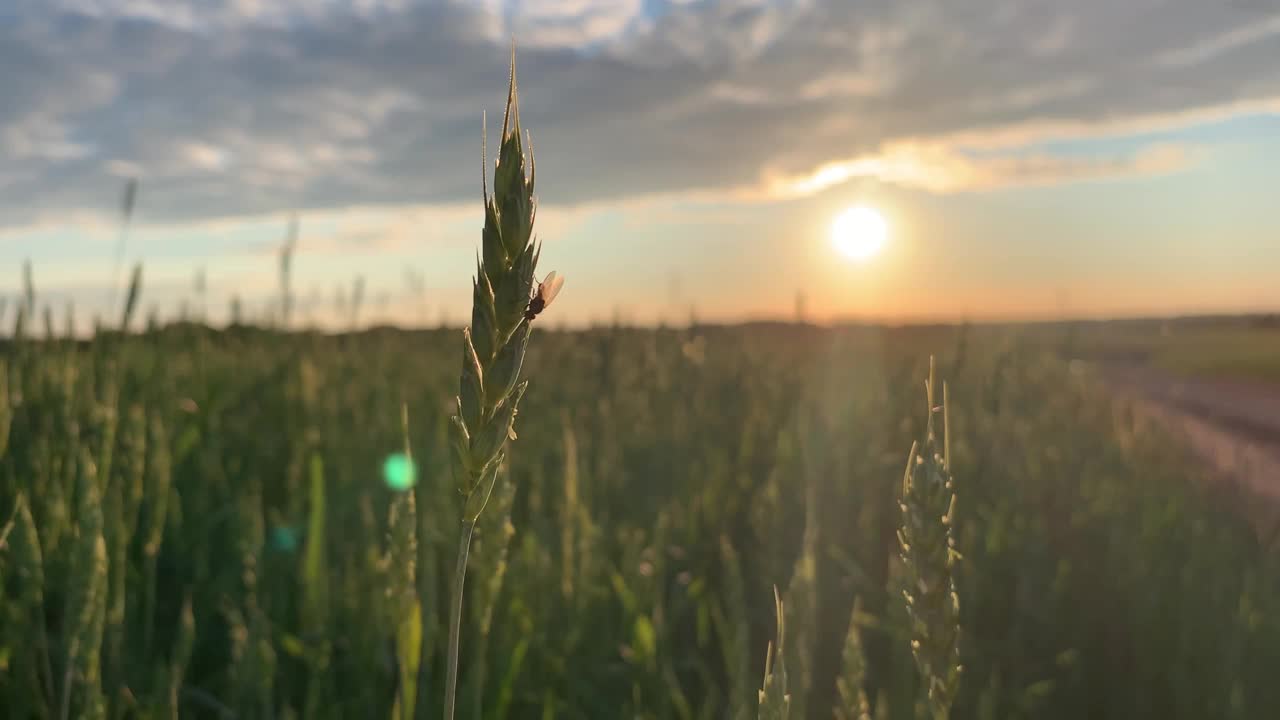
(1233, 426)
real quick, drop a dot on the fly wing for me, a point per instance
(550, 288)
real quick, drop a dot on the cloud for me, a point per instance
(242, 107)
(345, 232)
(1216, 45)
(568, 23)
(939, 168)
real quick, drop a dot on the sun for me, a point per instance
(859, 232)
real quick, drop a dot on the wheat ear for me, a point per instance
(493, 349)
(928, 555)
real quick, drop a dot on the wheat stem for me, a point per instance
(455, 618)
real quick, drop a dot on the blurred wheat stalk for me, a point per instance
(928, 554)
(493, 350)
(775, 698)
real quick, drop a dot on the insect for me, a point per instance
(547, 291)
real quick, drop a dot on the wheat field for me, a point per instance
(197, 523)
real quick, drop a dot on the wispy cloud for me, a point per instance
(939, 168)
(1216, 45)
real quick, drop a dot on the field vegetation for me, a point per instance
(199, 520)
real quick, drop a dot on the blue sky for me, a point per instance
(1031, 157)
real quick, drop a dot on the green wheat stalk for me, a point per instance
(802, 592)
(28, 288)
(27, 306)
(850, 683)
(570, 507)
(253, 657)
(775, 700)
(126, 215)
(315, 589)
(87, 603)
(357, 299)
(180, 658)
(732, 625)
(287, 249)
(131, 300)
(159, 482)
(6, 411)
(496, 532)
(493, 350)
(117, 545)
(928, 555)
(400, 563)
(22, 544)
(133, 461)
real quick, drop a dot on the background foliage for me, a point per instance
(195, 522)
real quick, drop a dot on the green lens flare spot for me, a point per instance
(284, 538)
(398, 472)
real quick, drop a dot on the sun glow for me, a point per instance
(859, 232)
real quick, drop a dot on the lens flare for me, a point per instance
(398, 472)
(284, 538)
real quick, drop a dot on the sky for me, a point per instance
(1031, 158)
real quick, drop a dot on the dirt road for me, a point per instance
(1234, 426)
